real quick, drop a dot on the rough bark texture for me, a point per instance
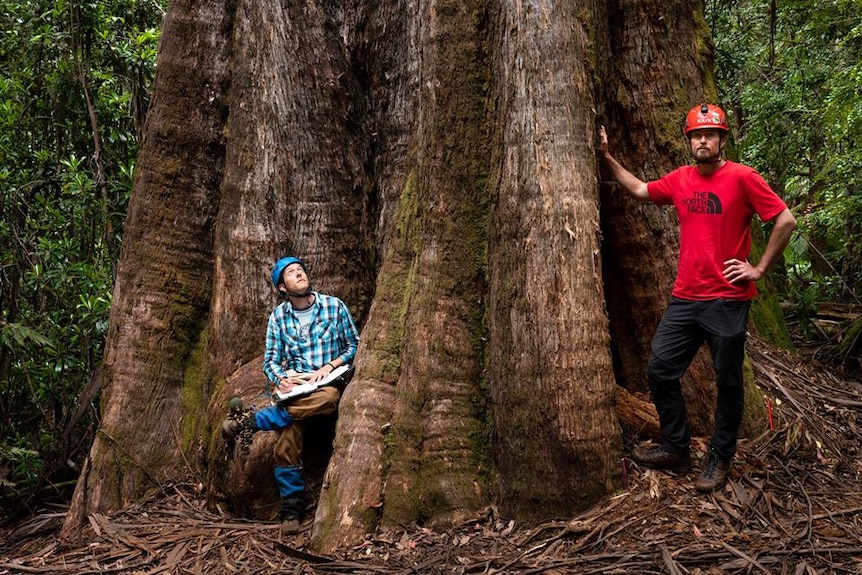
(351, 501)
(163, 279)
(246, 483)
(294, 181)
(419, 453)
(434, 163)
(437, 436)
(549, 360)
(637, 414)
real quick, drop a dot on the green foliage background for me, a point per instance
(73, 91)
(74, 88)
(789, 74)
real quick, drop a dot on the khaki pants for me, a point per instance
(288, 447)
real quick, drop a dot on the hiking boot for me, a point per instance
(714, 474)
(289, 526)
(290, 515)
(662, 458)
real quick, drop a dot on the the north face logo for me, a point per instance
(703, 203)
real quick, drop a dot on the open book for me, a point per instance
(338, 376)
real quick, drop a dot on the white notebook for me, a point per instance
(306, 388)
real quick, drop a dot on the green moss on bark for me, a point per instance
(193, 403)
(754, 413)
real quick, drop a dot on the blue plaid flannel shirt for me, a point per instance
(331, 335)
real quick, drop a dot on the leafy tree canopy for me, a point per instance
(74, 80)
(790, 73)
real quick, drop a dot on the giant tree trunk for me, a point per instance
(549, 358)
(434, 162)
(411, 430)
(294, 180)
(164, 276)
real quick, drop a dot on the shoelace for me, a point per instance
(711, 464)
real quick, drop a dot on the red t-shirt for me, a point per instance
(715, 213)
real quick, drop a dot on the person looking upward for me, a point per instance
(308, 335)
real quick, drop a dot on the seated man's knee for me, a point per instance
(331, 396)
(272, 417)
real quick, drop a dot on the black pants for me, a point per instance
(684, 327)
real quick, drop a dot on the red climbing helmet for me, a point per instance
(705, 116)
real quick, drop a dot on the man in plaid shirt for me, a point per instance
(309, 333)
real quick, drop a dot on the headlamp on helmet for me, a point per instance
(706, 116)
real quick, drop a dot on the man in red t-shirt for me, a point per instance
(716, 200)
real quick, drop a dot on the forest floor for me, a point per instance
(792, 506)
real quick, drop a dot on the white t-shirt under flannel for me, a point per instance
(329, 333)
